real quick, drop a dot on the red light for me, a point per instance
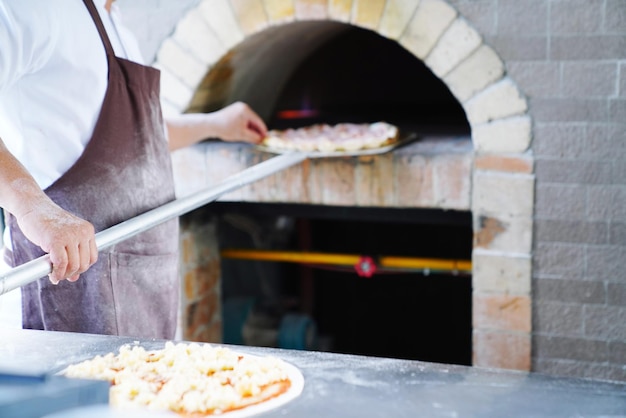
(297, 114)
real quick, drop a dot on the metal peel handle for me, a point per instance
(40, 267)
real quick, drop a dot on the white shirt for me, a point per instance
(53, 77)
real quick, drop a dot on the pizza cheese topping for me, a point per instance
(190, 379)
(327, 138)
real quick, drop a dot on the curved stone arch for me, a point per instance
(502, 201)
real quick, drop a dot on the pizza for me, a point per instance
(327, 138)
(191, 379)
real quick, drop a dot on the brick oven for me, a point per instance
(222, 51)
(565, 56)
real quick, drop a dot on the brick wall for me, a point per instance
(568, 58)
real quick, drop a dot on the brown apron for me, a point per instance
(124, 171)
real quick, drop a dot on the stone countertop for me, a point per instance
(341, 385)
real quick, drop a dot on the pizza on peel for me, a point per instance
(192, 380)
(327, 138)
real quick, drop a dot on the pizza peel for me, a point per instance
(40, 267)
(404, 140)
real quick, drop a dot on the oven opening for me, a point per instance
(359, 76)
(411, 311)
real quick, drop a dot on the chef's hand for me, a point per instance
(238, 122)
(235, 122)
(70, 241)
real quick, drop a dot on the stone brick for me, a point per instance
(511, 135)
(561, 201)
(414, 181)
(222, 160)
(396, 17)
(604, 262)
(183, 64)
(505, 233)
(503, 194)
(250, 14)
(529, 16)
(571, 231)
(201, 314)
(483, 14)
(479, 70)
(589, 79)
(580, 369)
(189, 168)
(456, 44)
(340, 9)
(559, 261)
(606, 142)
(501, 312)
(569, 291)
(617, 110)
(498, 101)
(576, 16)
(622, 80)
(607, 203)
(615, 146)
(291, 181)
(311, 9)
(617, 233)
(280, 11)
(267, 189)
(504, 162)
(570, 348)
(599, 47)
(221, 18)
(498, 272)
(452, 180)
(569, 110)
(616, 294)
(536, 78)
(194, 34)
(557, 319)
(617, 352)
(605, 322)
(374, 181)
(562, 141)
(336, 181)
(573, 171)
(310, 182)
(615, 17)
(429, 22)
(367, 13)
(501, 350)
(526, 47)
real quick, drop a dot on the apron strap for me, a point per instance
(103, 34)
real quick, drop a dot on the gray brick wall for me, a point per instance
(569, 58)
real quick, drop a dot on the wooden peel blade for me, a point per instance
(40, 267)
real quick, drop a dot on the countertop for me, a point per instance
(341, 385)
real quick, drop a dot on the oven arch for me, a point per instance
(502, 173)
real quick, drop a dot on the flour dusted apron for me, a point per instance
(124, 171)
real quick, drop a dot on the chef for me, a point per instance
(83, 146)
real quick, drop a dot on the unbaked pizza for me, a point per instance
(327, 138)
(192, 380)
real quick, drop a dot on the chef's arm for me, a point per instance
(236, 122)
(69, 240)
